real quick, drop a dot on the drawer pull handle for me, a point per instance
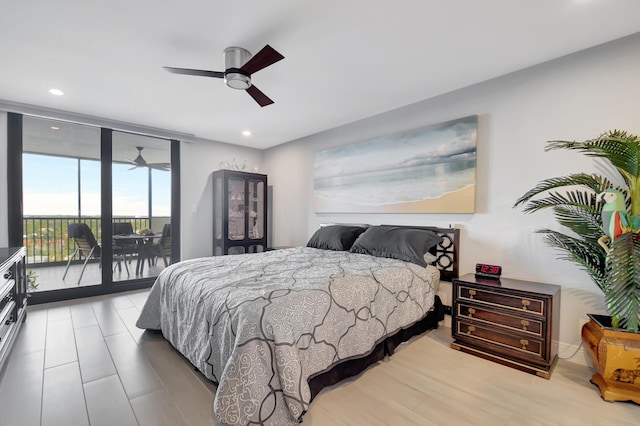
(525, 324)
(524, 344)
(472, 293)
(525, 304)
(471, 312)
(471, 329)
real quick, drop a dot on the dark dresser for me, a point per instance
(239, 212)
(13, 297)
(512, 322)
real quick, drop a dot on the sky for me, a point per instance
(50, 188)
(440, 143)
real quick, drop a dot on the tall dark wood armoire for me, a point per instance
(239, 212)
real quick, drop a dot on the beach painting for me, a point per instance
(426, 170)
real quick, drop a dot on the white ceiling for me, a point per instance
(344, 59)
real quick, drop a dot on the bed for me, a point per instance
(272, 329)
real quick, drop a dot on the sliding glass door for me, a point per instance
(61, 203)
(99, 206)
(141, 205)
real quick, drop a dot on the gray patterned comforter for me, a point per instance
(260, 325)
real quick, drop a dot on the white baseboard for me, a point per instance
(444, 291)
(573, 353)
(446, 322)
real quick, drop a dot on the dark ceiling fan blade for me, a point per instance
(201, 73)
(267, 56)
(160, 166)
(262, 99)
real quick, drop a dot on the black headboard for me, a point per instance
(448, 253)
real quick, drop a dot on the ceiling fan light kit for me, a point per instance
(237, 80)
(239, 65)
(234, 58)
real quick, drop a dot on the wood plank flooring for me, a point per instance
(84, 362)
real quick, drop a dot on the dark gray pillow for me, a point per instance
(396, 242)
(335, 237)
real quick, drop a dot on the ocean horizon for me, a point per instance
(396, 186)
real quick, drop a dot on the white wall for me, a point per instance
(576, 97)
(198, 160)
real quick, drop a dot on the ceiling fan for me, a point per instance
(239, 65)
(141, 162)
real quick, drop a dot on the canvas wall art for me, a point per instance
(426, 170)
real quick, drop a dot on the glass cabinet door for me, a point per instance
(217, 210)
(236, 203)
(256, 209)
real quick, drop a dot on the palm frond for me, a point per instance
(594, 182)
(622, 282)
(620, 148)
(587, 254)
(585, 200)
(583, 222)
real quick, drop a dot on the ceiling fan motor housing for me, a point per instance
(234, 58)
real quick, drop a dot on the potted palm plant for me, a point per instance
(601, 215)
(32, 281)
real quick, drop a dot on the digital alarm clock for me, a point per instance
(491, 272)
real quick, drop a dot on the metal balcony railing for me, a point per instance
(47, 241)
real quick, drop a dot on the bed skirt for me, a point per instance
(386, 347)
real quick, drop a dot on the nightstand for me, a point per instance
(512, 322)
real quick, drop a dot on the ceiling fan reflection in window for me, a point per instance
(139, 161)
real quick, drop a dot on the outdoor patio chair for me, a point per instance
(163, 247)
(87, 246)
(124, 247)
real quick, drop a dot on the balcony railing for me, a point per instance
(47, 240)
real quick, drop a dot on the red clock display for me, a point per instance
(488, 271)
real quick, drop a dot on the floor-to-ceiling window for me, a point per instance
(141, 204)
(62, 227)
(96, 206)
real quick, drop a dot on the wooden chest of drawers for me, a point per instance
(513, 322)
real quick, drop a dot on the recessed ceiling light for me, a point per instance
(56, 92)
(246, 133)
(55, 128)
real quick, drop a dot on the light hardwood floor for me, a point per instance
(84, 362)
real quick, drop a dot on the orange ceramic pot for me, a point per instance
(616, 357)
